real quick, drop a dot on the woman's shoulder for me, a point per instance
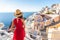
(14, 19)
(22, 19)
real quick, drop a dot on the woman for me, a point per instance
(18, 22)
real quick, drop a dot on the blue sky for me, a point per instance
(25, 5)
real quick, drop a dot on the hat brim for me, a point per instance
(17, 15)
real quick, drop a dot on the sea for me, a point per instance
(7, 17)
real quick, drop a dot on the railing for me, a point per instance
(43, 36)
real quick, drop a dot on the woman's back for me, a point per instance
(18, 23)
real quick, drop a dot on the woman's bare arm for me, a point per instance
(23, 23)
(12, 26)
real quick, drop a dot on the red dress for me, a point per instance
(19, 32)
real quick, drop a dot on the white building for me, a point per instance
(55, 8)
(45, 10)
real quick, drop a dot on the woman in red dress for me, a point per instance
(18, 22)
